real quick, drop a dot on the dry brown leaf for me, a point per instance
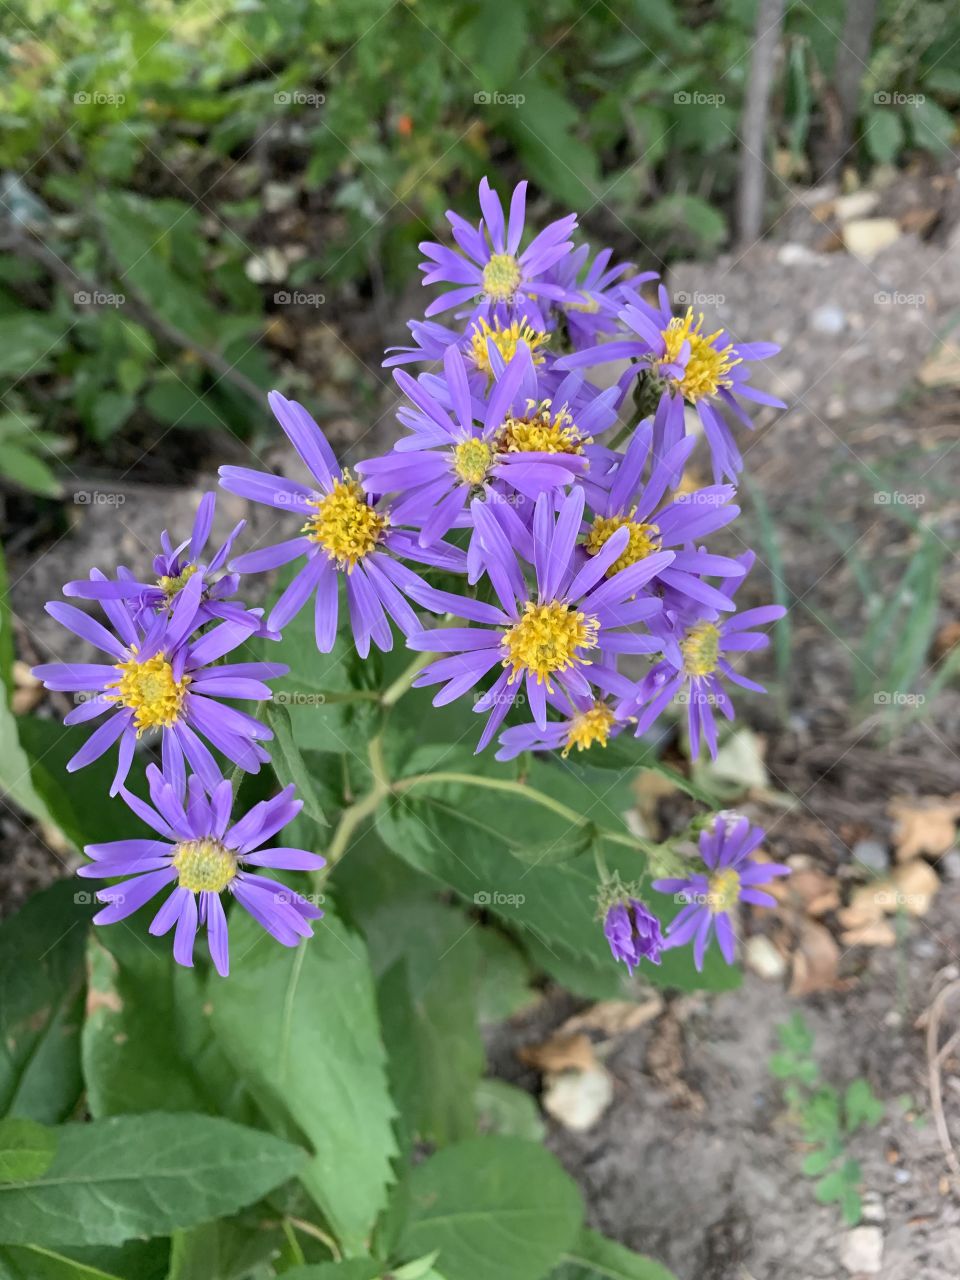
(916, 884)
(946, 639)
(613, 1017)
(866, 905)
(878, 933)
(942, 369)
(927, 825)
(815, 961)
(562, 1052)
(812, 890)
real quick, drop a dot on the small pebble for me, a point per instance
(862, 1251)
(828, 319)
(872, 854)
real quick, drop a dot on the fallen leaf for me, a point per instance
(866, 905)
(946, 639)
(927, 825)
(916, 884)
(562, 1052)
(578, 1099)
(865, 237)
(942, 369)
(613, 1017)
(815, 961)
(878, 933)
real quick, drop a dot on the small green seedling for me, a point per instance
(826, 1117)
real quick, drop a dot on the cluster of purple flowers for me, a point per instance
(573, 558)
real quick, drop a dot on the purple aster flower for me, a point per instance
(694, 668)
(432, 340)
(158, 679)
(731, 875)
(584, 722)
(707, 370)
(344, 532)
(544, 640)
(633, 932)
(627, 496)
(204, 854)
(174, 567)
(491, 273)
(460, 447)
(598, 290)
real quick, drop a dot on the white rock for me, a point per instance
(856, 205)
(267, 267)
(865, 237)
(578, 1098)
(764, 958)
(828, 319)
(862, 1251)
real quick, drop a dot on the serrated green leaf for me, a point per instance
(504, 1109)
(300, 1027)
(143, 1175)
(495, 1208)
(289, 764)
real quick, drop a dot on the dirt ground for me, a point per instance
(705, 1174)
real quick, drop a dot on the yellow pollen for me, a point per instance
(547, 639)
(723, 890)
(701, 649)
(204, 866)
(590, 306)
(708, 365)
(501, 276)
(642, 540)
(150, 691)
(505, 338)
(346, 526)
(541, 430)
(170, 586)
(471, 461)
(589, 727)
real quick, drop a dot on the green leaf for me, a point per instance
(355, 1269)
(288, 763)
(300, 1027)
(817, 1162)
(32, 1263)
(226, 1250)
(26, 468)
(147, 1042)
(26, 1149)
(503, 1108)
(143, 1176)
(861, 1105)
(593, 1257)
(495, 1208)
(29, 341)
(42, 979)
(883, 134)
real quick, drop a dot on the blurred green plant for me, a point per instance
(164, 167)
(826, 1118)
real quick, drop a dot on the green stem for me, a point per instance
(401, 685)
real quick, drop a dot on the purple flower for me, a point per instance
(432, 341)
(204, 854)
(158, 679)
(547, 640)
(707, 370)
(584, 722)
(343, 533)
(491, 272)
(174, 567)
(460, 447)
(731, 876)
(597, 293)
(693, 665)
(633, 932)
(622, 499)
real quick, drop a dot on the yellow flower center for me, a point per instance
(642, 539)
(589, 727)
(150, 691)
(204, 866)
(589, 305)
(471, 461)
(170, 586)
(501, 276)
(701, 649)
(724, 890)
(548, 639)
(506, 339)
(345, 525)
(541, 430)
(708, 365)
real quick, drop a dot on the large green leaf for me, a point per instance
(495, 1208)
(147, 1042)
(33, 1263)
(355, 1269)
(143, 1175)
(42, 980)
(224, 1250)
(593, 1257)
(26, 1148)
(300, 1026)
